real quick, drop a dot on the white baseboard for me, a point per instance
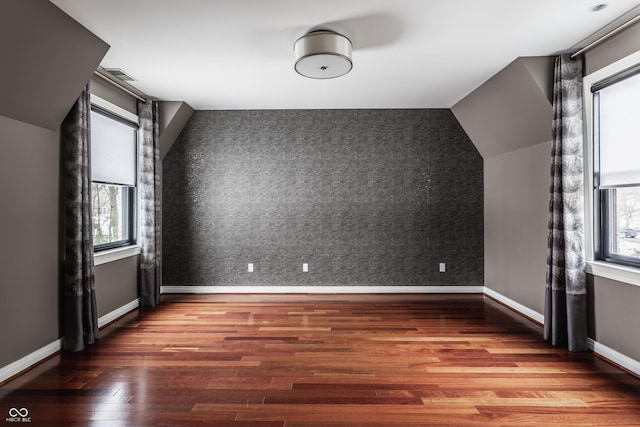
(614, 356)
(608, 353)
(524, 310)
(118, 312)
(41, 354)
(29, 360)
(321, 289)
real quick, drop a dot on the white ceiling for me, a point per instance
(238, 54)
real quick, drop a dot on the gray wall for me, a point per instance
(29, 165)
(516, 200)
(116, 284)
(366, 197)
(29, 181)
(29, 257)
(509, 119)
(108, 92)
(619, 46)
(614, 319)
(516, 205)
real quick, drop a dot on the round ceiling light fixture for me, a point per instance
(323, 54)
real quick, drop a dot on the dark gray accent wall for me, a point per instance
(366, 197)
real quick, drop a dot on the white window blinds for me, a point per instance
(113, 150)
(619, 133)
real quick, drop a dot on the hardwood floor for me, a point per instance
(324, 360)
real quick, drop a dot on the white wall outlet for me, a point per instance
(250, 267)
(443, 267)
(305, 267)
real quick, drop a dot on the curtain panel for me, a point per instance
(149, 191)
(79, 304)
(565, 313)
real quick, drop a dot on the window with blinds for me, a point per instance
(113, 175)
(616, 121)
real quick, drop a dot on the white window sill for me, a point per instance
(111, 255)
(616, 272)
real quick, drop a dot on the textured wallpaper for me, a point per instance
(365, 197)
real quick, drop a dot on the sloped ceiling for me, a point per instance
(47, 59)
(511, 110)
(174, 115)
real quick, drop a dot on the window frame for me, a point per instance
(599, 263)
(129, 214)
(130, 201)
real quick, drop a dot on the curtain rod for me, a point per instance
(118, 85)
(606, 36)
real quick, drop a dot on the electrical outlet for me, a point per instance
(305, 267)
(443, 267)
(250, 267)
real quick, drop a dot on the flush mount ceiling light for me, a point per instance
(323, 54)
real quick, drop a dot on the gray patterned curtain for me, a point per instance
(150, 278)
(80, 313)
(565, 312)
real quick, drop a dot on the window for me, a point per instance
(113, 176)
(616, 167)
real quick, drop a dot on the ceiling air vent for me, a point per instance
(120, 74)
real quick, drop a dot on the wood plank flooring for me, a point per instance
(324, 360)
